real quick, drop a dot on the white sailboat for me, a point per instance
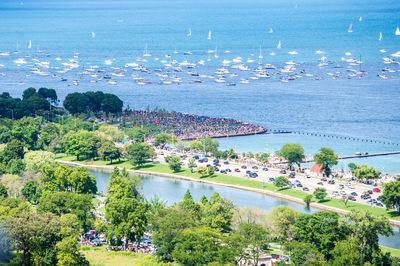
(215, 54)
(397, 31)
(271, 31)
(260, 55)
(279, 45)
(93, 35)
(380, 36)
(30, 44)
(350, 28)
(146, 53)
(189, 33)
(360, 19)
(209, 35)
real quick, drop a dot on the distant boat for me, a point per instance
(279, 45)
(397, 31)
(189, 33)
(260, 55)
(146, 53)
(380, 36)
(271, 31)
(93, 35)
(360, 19)
(209, 35)
(350, 28)
(30, 44)
(215, 54)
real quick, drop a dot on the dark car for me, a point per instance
(292, 175)
(248, 172)
(201, 160)
(208, 165)
(223, 172)
(255, 167)
(320, 183)
(324, 179)
(305, 189)
(253, 174)
(352, 198)
(299, 185)
(216, 161)
(216, 169)
(226, 162)
(228, 170)
(354, 193)
(379, 204)
(265, 169)
(243, 167)
(282, 171)
(205, 160)
(271, 179)
(332, 182)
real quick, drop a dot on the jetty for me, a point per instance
(344, 157)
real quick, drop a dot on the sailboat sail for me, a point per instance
(397, 31)
(190, 32)
(380, 36)
(270, 30)
(279, 45)
(209, 35)
(260, 55)
(93, 35)
(350, 28)
(215, 54)
(30, 44)
(360, 19)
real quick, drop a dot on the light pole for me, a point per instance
(12, 113)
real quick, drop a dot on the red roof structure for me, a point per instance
(317, 168)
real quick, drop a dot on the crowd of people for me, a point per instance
(189, 127)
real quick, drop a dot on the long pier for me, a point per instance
(361, 155)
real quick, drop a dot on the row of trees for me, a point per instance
(90, 101)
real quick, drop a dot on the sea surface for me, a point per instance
(110, 34)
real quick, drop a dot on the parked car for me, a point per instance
(354, 193)
(228, 170)
(308, 176)
(226, 162)
(254, 175)
(237, 170)
(332, 182)
(216, 161)
(243, 167)
(305, 189)
(271, 179)
(341, 186)
(255, 167)
(265, 169)
(352, 198)
(292, 175)
(335, 193)
(282, 171)
(248, 172)
(216, 169)
(320, 183)
(299, 185)
(376, 190)
(223, 172)
(324, 179)
(379, 204)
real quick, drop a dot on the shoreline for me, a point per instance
(255, 190)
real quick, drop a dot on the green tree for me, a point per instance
(195, 145)
(304, 253)
(391, 195)
(15, 166)
(13, 150)
(322, 229)
(320, 193)
(76, 103)
(256, 237)
(126, 212)
(307, 200)
(109, 152)
(263, 157)
(352, 167)
(366, 228)
(281, 182)
(3, 191)
(48, 94)
(27, 130)
(202, 170)
(61, 203)
(35, 236)
(209, 145)
(283, 219)
(5, 134)
(31, 191)
(81, 181)
(136, 134)
(192, 164)
(218, 213)
(292, 153)
(326, 158)
(28, 93)
(211, 170)
(163, 138)
(111, 104)
(232, 153)
(34, 160)
(81, 143)
(364, 172)
(189, 205)
(346, 252)
(139, 153)
(199, 246)
(174, 163)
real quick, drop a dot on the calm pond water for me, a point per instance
(173, 191)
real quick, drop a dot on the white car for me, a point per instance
(343, 192)
(335, 193)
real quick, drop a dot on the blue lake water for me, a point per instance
(366, 108)
(173, 191)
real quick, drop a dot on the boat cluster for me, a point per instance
(185, 67)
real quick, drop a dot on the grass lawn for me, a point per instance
(393, 252)
(244, 182)
(98, 257)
